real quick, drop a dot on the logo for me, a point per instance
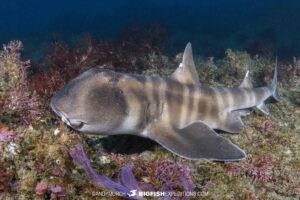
(132, 193)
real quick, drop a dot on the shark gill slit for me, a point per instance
(163, 104)
(151, 99)
(144, 103)
(144, 107)
(155, 97)
(133, 118)
(145, 94)
(149, 92)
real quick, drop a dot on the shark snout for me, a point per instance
(54, 109)
(59, 113)
(74, 123)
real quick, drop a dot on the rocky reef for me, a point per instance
(41, 158)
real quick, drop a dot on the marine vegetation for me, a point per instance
(42, 158)
(15, 96)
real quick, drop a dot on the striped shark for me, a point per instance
(177, 112)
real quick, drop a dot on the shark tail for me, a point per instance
(273, 86)
(274, 92)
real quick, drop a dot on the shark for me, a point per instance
(178, 112)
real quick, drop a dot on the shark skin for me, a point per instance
(177, 111)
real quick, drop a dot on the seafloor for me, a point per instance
(41, 158)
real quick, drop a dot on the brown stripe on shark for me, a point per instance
(207, 108)
(228, 98)
(250, 98)
(150, 109)
(202, 108)
(136, 103)
(139, 78)
(220, 103)
(149, 89)
(214, 108)
(246, 97)
(240, 97)
(107, 97)
(261, 94)
(156, 101)
(229, 119)
(163, 106)
(156, 89)
(174, 100)
(184, 106)
(193, 103)
(235, 98)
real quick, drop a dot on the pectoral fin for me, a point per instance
(196, 141)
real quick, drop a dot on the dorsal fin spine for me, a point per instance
(246, 83)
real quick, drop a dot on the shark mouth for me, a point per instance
(75, 124)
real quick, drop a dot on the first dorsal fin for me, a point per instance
(186, 72)
(246, 82)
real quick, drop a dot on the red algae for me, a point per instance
(41, 188)
(259, 170)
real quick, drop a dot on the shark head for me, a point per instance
(91, 102)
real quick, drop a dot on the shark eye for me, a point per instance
(76, 124)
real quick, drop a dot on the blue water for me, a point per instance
(211, 25)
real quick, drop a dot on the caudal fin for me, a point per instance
(275, 94)
(273, 89)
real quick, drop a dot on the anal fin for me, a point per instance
(196, 141)
(244, 112)
(262, 107)
(233, 122)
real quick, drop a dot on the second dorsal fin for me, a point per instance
(186, 72)
(246, 82)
